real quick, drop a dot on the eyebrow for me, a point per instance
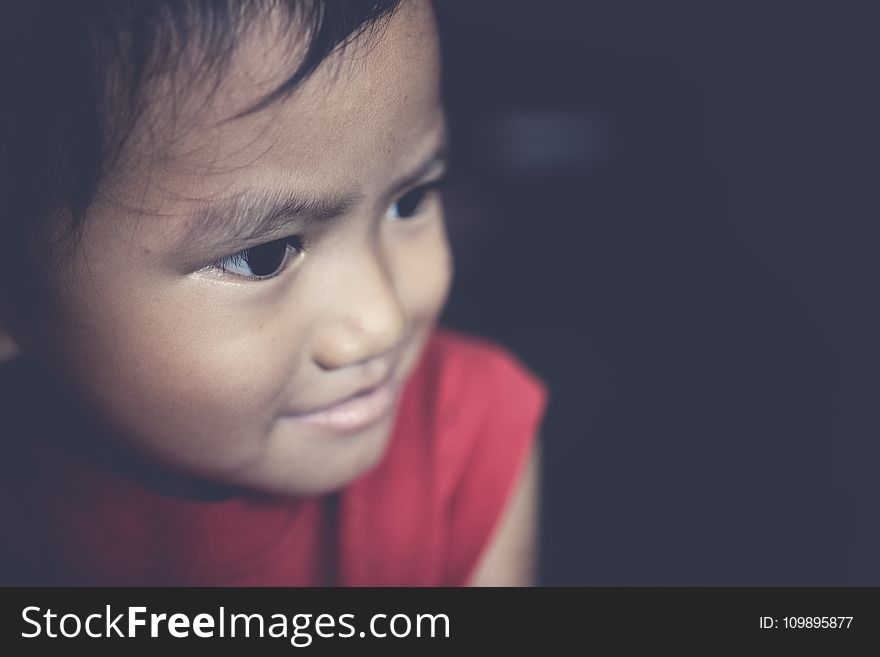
(231, 221)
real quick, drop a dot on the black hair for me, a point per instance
(62, 62)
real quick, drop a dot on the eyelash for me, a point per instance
(294, 245)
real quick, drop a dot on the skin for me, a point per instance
(511, 556)
(201, 370)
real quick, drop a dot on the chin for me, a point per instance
(343, 460)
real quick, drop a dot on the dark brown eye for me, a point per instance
(262, 261)
(409, 204)
(266, 259)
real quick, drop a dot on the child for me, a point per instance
(225, 260)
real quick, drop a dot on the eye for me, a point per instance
(262, 261)
(411, 204)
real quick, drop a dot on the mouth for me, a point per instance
(356, 413)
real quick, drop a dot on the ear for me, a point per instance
(9, 349)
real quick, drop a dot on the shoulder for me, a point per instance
(471, 374)
(489, 406)
(466, 425)
(468, 389)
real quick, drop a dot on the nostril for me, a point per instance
(357, 341)
(366, 318)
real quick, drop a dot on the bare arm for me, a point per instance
(511, 556)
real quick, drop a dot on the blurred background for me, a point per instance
(669, 212)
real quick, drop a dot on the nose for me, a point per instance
(365, 317)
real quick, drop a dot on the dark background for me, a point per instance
(669, 212)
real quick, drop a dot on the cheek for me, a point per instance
(423, 272)
(178, 373)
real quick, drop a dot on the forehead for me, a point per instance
(368, 108)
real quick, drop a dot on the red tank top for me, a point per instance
(422, 516)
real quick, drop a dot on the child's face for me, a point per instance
(209, 371)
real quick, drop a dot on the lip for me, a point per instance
(353, 414)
